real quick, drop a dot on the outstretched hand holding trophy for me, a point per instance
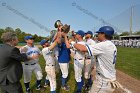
(60, 28)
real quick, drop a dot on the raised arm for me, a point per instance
(52, 46)
(67, 42)
(79, 47)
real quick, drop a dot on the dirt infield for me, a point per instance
(127, 81)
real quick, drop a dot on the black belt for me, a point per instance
(49, 65)
(88, 58)
(78, 59)
(31, 64)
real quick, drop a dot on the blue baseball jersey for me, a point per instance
(64, 53)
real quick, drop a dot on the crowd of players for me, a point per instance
(57, 56)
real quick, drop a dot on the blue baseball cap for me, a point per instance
(42, 42)
(106, 30)
(28, 37)
(89, 32)
(81, 32)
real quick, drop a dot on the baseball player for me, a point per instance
(88, 61)
(50, 62)
(106, 52)
(64, 59)
(79, 58)
(31, 65)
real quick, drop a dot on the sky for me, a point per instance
(38, 16)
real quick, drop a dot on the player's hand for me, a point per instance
(115, 84)
(70, 40)
(63, 34)
(34, 57)
(60, 28)
(23, 50)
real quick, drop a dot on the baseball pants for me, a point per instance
(64, 69)
(50, 70)
(28, 69)
(100, 85)
(78, 68)
(87, 68)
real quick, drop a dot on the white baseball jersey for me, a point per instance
(48, 56)
(79, 54)
(90, 42)
(106, 58)
(30, 52)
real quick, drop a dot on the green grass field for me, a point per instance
(128, 61)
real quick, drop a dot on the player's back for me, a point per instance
(106, 59)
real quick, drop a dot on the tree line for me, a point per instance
(20, 34)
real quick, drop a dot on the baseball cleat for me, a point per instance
(28, 90)
(46, 85)
(40, 88)
(66, 88)
(87, 88)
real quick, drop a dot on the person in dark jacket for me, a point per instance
(10, 64)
